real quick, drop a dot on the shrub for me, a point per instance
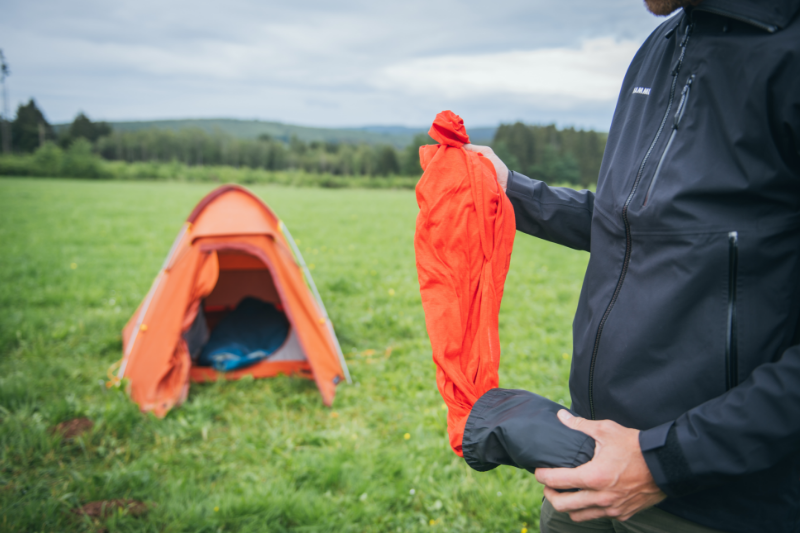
(79, 161)
(48, 159)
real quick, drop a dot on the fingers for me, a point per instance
(580, 505)
(478, 148)
(592, 513)
(594, 428)
(588, 505)
(500, 168)
(563, 478)
(568, 502)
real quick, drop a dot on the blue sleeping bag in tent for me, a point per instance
(250, 333)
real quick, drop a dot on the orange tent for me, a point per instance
(232, 246)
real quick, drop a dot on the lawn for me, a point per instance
(253, 455)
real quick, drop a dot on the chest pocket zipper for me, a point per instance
(675, 125)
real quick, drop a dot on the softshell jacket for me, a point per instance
(687, 323)
(463, 241)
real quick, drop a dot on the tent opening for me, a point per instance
(240, 275)
(242, 321)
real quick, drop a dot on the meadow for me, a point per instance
(254, 455)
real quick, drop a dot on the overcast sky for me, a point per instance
(323, 62)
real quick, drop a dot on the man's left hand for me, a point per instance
(616, 483)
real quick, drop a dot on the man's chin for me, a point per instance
(667, 7)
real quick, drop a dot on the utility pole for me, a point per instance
(6, 130)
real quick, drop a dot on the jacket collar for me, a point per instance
(769, 15)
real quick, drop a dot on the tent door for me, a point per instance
(240, 275)
(243, 275)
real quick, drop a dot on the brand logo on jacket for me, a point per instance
(642, 90)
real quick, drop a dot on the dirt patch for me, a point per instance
(105, 508)
(72, 428)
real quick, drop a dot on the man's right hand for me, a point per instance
(500, 168)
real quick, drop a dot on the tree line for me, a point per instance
(551, 155)
(542, 152)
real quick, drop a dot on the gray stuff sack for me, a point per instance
(519, 428)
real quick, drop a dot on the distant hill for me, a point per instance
(398, 136)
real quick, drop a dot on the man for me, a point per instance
(686, 365)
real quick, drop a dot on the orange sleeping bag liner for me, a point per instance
(464, 237)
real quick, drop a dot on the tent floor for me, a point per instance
(264, 369)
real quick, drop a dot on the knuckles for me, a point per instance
(605, 501)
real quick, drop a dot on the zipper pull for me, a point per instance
(683, 44)
(687, 33)
(682, 105)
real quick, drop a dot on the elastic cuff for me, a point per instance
(473, 437)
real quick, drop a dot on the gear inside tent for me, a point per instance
(233, 298)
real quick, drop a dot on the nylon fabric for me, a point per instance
(464, 237)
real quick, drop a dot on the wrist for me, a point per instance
(641, 467)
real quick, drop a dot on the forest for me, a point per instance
(565, 156)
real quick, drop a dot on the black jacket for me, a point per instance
(688, 321)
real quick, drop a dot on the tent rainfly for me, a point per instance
(231, 247)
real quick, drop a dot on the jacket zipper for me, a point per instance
(731, 345)
(675, 123)
(625, 221)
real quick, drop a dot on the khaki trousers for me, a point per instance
(652, 520)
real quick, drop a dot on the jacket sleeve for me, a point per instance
(519, 428)
(749, 428)
(557, 214)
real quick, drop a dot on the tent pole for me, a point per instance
(146, 305)
(307, 273)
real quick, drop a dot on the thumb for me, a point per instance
(477, 148)
(570, 420)
(589, 427)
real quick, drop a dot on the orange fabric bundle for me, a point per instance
(463, 241)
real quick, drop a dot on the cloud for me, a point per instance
(351, 62)
(591, 72)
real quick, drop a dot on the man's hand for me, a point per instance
(616, 483)
(500, 168)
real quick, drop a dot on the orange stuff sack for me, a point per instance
(463, 241)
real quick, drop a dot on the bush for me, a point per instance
(49, 159)
(79, 161)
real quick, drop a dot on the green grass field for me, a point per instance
(261, 455)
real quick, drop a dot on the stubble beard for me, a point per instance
(666, 7)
